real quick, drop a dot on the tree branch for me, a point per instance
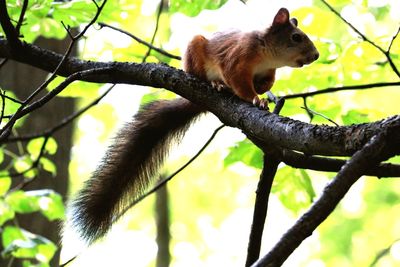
(261, 207)
(62, 124)
(301, 161)
(159, 12)
(8, 28)
(273, 129)
(365, 38)
(377, 149)
(342, 88)
(21, 16)
(137, 39)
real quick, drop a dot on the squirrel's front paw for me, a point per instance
(260, 103)
(218, 85)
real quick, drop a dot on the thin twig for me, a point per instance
(365, 38)
(3, 62)
(22, 110)
(63, 123)
(50, 95)
(3, 105)
(393, 38)
(48, 133)
(319, 114)
(12, 99)
(310, 114)
(21, 16)
(159, 50)
(68, 261)
(342, 88)
(164, 181)
(159, 12)
(33, 166)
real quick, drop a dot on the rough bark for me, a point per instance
(274, 129)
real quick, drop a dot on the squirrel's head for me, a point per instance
(289, 44)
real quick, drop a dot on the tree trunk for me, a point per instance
(162, 221)
(22, 80)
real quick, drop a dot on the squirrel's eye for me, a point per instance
(296, 38)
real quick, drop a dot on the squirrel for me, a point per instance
(244, 62)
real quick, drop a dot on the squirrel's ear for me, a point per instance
(294, 21)
(281, 17)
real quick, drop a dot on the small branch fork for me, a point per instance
(29, 105)
(271, 161)
(363, 161)
(46, 134)
(379, 148)
(386, 52)
(18, 47)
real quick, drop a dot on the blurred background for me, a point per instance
(207, 208)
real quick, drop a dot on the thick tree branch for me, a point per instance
(274, 129)
(379, 148)
(301, 161)
(261, 207)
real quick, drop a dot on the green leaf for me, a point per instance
(194, 7)
(51, 146)
(22, 164)
(6, 213)
(52, 206)
(48, 202)
(11, 233)
(35, 145)
(10, 107)
(23, 244)
(307, 184)
(5, 184)
(51, 28)
(354, 117)
(73, 13)
(22, 202)
(49, 166)
(293, 188)
(245, 152)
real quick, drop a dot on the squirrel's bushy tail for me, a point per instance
(130, 164)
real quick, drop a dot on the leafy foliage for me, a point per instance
(345, 59)
(194, 7)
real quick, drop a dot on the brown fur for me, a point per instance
(246, 62)
(130, 164)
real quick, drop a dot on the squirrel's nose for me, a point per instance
(316, 56)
